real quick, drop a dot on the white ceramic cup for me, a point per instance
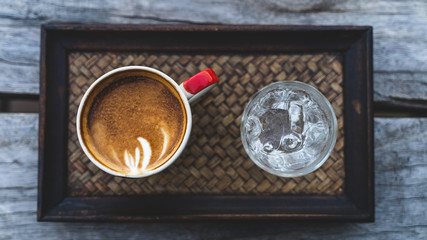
(189, 91)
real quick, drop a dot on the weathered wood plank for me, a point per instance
(19, 146)
(19, 57)
(400, 43)
(401, 186)
(401, 88)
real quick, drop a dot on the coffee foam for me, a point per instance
(135, 124)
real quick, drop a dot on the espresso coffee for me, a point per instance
(134, 122)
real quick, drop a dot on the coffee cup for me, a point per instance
(135, 121)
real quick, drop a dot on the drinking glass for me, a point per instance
(288, 128)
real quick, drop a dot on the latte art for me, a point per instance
(135, 124)
(133, 162)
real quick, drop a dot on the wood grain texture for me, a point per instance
(400, 43)
(400, 195)
(400, 46)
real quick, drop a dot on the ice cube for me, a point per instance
(274, 123)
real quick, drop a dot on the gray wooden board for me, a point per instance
(400, 75)
(400, 189)
(400, 42)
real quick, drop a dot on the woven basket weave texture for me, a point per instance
(214, 161)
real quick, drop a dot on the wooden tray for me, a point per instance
(213, 178)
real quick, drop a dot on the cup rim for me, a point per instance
(174, 156)
(316, 164)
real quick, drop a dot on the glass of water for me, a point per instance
(288, 128)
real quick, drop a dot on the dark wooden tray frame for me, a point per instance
(355, 42)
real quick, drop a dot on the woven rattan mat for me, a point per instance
(214, 161)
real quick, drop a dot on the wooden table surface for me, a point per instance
(400, 88)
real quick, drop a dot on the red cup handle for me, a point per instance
(199, 84)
